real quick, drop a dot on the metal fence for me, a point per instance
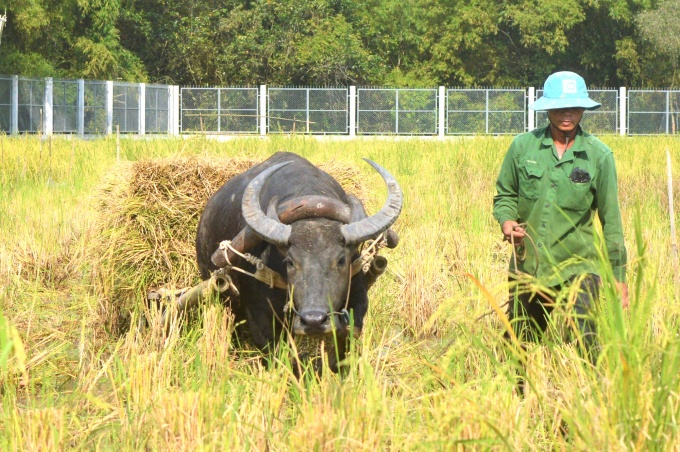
(219, 110)
(653, 112)
(396, 111)
(31, 105)
(308, 110)
(603, 121)
(492, 111)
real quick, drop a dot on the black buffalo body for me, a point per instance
(314, 254)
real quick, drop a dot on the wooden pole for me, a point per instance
(118, 143)
(674, 243)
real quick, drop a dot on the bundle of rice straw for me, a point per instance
(147, 216)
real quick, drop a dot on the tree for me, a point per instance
(662, 28)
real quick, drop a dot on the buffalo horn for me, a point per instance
(359, 213)
(362, 230)
(313, 206)
(268, 229)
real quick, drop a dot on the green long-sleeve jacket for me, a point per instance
(558, 198)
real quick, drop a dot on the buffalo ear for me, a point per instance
(272, 213)
(357, 209)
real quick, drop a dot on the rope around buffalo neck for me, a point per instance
(274, 279)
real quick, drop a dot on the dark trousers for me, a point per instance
(528, 313)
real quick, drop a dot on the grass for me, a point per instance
(425, 375)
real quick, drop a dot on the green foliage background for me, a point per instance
(337, 42)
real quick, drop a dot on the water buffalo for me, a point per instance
(300, 222)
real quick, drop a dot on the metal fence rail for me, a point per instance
(397, 111)
(308, 110)
(603, 121)
(492, 111)
(653, 112)
(219, 110)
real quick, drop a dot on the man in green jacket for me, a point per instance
(552, 183)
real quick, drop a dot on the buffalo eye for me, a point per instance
(342, 261)
(289, 263)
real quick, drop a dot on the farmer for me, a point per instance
(552, 183)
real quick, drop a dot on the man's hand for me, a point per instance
(512, 228)
(622, 288)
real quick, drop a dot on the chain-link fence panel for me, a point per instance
(466, 111)
(156, 103)
(603, 121)
(478, 111)
(507, 111)
(397, 111)
(5, 104)
(220, 110)
(65, 106)
(126, 107)
(653, 112)
(199, 109)
(31, 104)
(238, 110)
(95, 108)
(307, 110)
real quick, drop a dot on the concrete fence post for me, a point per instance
(109, 107)
(171, 104)
(352, 111)
(442, 112)
(176, 110)
(48, 107)
(142, 109)
(14, 109)
(263, 109)
(80, 125)
(623, 111)
(531, 116)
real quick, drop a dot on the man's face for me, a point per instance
(565, 119)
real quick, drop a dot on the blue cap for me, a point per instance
(564, 90)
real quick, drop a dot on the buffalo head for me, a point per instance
(318, 247)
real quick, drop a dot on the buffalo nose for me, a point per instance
(313, 318)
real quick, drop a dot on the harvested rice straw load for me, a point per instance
(147, 216)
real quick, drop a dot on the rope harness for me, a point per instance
(522, 257)
(274, 279)
(524, 250)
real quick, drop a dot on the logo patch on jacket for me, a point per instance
(579, 176)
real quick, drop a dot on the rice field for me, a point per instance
(430, 371)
